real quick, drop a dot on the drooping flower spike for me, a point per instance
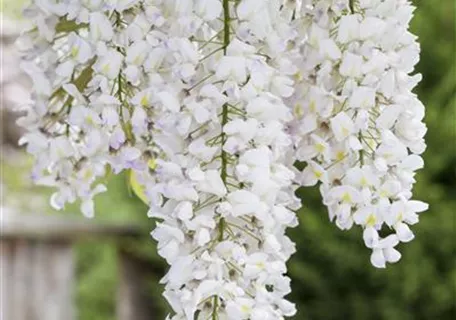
(222, 189)
(358, 125)
(207, 104)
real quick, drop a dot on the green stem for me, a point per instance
(68, 26)
(125, 126)
(214, 312)
(361, 152)
(224, 156)
(213, 52)
(352, 6)
(210, 40)
(226, 42)
(200, 82)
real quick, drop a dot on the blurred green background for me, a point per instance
(332, 276)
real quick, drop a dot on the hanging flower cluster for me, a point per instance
(358, 125)
(207, 104)
(221, 187)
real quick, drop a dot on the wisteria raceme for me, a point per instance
(358, 125)
(207, 104)
(222, 187)
(198, 86)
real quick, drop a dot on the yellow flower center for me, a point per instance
(298, 111)
(144, 101)
(74, 52)
(88, 175)
(346, 197)
(320, 147)
(340, 155)
(318, 174)
(106, 68)
(245, 309)
(313, 106)
(261, 265)
(371, 220)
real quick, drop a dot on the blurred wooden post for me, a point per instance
(37, 276)
(37, 280)
(133, 300)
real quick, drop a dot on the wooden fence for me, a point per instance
(37, 269)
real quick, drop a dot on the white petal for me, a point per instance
(87, 208)
(392, 255)
(378, 259)
(169, 101)
(404, 233)
(371, 237)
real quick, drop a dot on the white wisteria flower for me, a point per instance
(362, 133)
(206, 105)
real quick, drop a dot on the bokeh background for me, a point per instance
(332, 276)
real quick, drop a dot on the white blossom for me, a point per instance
(365, 149)
(206, 105)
